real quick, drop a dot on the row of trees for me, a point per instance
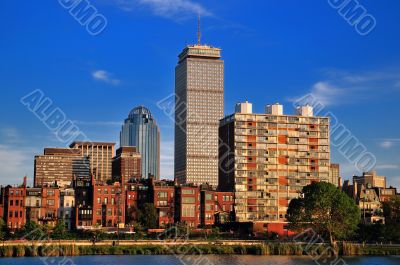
(333, 215)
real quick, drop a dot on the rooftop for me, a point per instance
(200, 51)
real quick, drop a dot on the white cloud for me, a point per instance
(99, 123)
(341, 87)
(14, 164)
(104, 76)
(173, 9)
(386, 144)
(387, 166)
(324, 93)
(10, 135)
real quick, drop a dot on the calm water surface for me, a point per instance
(207, 260)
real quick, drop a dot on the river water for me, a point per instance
(196, 260)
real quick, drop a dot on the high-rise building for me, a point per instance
(140, 129)
(199, 105)
(100, 155)
(335, 178)
(266, 159)
(127, 164)
(60, 165)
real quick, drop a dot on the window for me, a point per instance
(188, 210)
(11, 202)
(105, 200)
(16, 202)
(190, 200)
(50, 202)
(187, 191)
(162, 195)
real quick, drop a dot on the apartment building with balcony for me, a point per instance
(266, 159)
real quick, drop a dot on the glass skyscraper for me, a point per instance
(141, 130)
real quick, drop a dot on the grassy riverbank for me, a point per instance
(32, 250)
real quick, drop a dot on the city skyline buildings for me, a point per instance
(288, 63)
(199, 105)
(140, 130)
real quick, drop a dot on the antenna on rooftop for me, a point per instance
(198, 31)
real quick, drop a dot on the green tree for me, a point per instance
(391, 211)
(3, 230)
(138, 229)
(147, 216)
(33, 231)
(60, 231)
(327, 210)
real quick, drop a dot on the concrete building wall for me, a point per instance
(275, 156)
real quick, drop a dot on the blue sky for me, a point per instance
(274, 51)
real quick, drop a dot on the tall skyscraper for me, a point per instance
(199, 105)
(271, 157)
(140, 129)
(100, 155)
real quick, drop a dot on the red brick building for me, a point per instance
(126, 165)
(108, 205)
(50, 206)
(13, 201)
(187, 205)
(207, 207)
(42, 205)
(162, 196)
(224, 202)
